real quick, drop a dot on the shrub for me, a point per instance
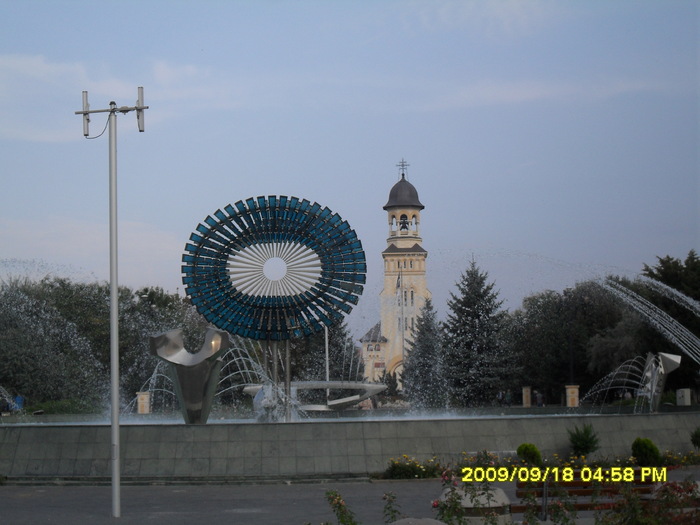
(695, 438)
(584, 440)
(530, 454)
(646, 453)
(410, 468)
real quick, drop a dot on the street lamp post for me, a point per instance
(113, 275)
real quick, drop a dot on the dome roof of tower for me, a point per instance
(403, 194)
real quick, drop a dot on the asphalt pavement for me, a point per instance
(276, 503)
(260, 504)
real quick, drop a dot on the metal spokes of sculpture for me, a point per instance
(273, 268)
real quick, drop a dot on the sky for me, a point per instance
(550, 141)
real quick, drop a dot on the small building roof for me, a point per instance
(374, 335)
(393, 249)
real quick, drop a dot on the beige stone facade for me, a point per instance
(405, 288)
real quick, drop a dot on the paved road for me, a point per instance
(273, 504)
(260, 504)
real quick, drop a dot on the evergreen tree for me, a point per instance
(423, 379)
(391, 380)
(684, 276)
(476, 361)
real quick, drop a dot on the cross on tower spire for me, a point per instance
(402, 165)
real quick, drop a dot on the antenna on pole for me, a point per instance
(139, 110)
(86, 112)
(86, 115)
(113, 277)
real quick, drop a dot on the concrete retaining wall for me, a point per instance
(310, 448)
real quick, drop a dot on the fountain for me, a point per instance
(241, 370)
(621, 383)
(641, 379)
(271, 269)
(644, 378)
(669, 327)
(228, 449)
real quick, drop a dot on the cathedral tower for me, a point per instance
(405, 288)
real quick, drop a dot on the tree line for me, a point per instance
(55, 341)
(482, 354)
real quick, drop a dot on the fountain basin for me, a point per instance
(230, 451)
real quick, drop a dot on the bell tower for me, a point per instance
(405, 287)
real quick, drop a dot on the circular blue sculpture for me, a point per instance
(273, 268)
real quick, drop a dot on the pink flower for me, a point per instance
(436, 504)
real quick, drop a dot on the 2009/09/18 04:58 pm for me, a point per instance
(565, 474)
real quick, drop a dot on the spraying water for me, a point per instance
(669, 327)
(641, 379)
(6, 400)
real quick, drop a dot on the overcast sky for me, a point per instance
(551, 141)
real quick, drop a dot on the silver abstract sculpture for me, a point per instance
(657, 368)
(195, 375)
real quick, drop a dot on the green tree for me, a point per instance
(476, 361)
(550, 338)
(43, 355)
(391, 380)
(621, 342)
(55, 337)
(143, 314)
(539, 341)
(683, 276)
(423, 375)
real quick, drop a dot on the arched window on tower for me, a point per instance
(403, 223)
(412, 298)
